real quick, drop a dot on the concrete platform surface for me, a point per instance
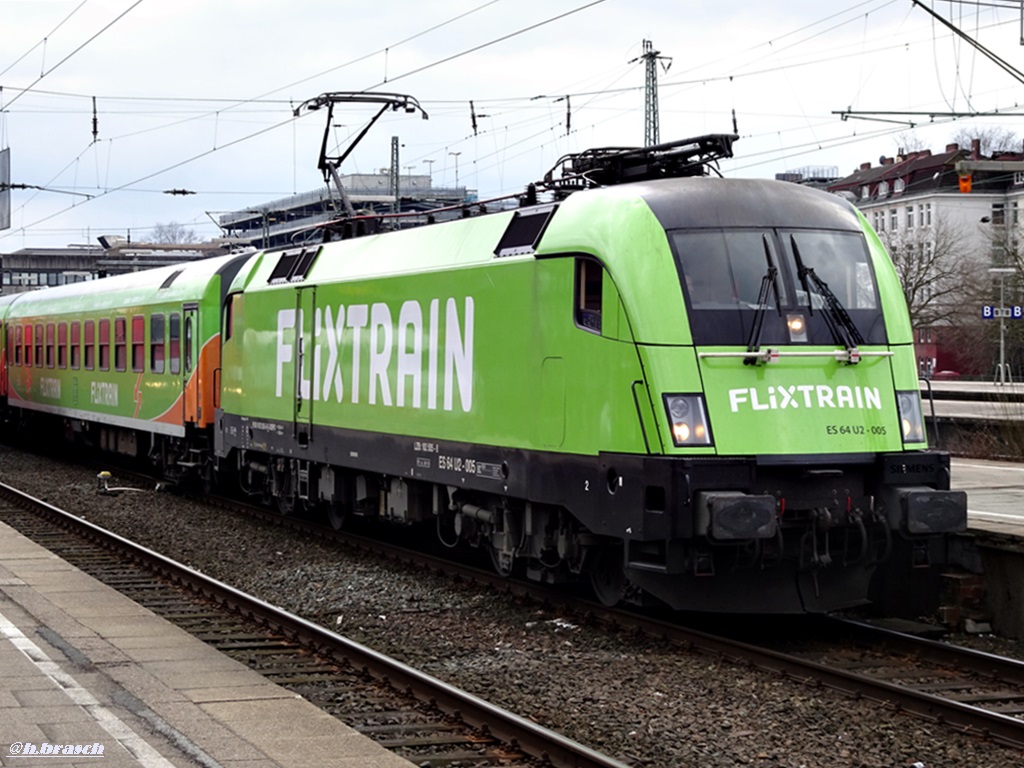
(90, 678)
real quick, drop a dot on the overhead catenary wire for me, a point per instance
(75, 51)
(42, 42)
(290, 119)
(498, 125)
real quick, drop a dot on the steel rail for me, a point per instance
(965, 717)
(1001, 667)
(524, 734)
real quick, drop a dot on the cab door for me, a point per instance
(190, 360)
(305, 345)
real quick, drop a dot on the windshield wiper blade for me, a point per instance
(770, 281)
(838, 320)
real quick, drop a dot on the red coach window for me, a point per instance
(89, 348)
(62, 345)
(51, 339)
(157, 347)
(19, 339)
(120, 344)
(76, 342)
(104, 345)
(138, 343)
(29, 346)
(174, 337)
(38, 344)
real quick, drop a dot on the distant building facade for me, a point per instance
(30, 269)
(915, 199)
(297, 218)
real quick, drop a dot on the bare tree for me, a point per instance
(173, 232)
(994, 138)
(909, 141)
(938, 277)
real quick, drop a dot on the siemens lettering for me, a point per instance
(406, 360)
(806, 396)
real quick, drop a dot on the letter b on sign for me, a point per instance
(1018, 312)
(986, 312)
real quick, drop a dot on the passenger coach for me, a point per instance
(128, 363)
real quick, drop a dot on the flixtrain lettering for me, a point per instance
(409, 359)
(805, 396)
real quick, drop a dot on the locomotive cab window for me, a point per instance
(589, 288)
(839, 262)
(732, 279)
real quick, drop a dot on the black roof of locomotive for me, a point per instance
(704, 202)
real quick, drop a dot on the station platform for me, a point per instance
(90, 678)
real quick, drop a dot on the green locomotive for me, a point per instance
(701, 390)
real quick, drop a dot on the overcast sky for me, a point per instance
(199, 94)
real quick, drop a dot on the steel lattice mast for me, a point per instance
(652, 134)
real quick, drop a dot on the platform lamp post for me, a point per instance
(1001, 371)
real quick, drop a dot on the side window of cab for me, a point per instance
(597, 304)
(589, 294)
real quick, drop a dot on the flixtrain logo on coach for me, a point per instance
(407, 361)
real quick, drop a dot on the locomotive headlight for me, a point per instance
(688, 419)
(911, 422)
(797, 326)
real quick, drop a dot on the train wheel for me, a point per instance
(285, 504)
(336, 515)
(208, 479)
(608, 575)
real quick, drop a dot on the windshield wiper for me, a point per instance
(769, 281)
(836, 317)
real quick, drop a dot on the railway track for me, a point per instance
(419, 717)
(959, 688)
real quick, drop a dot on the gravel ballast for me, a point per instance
(643, 701)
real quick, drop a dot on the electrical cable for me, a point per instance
(43, 41)
(594, 95)
(75, 51)
(288, 121)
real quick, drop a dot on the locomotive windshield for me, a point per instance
(725, 271)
